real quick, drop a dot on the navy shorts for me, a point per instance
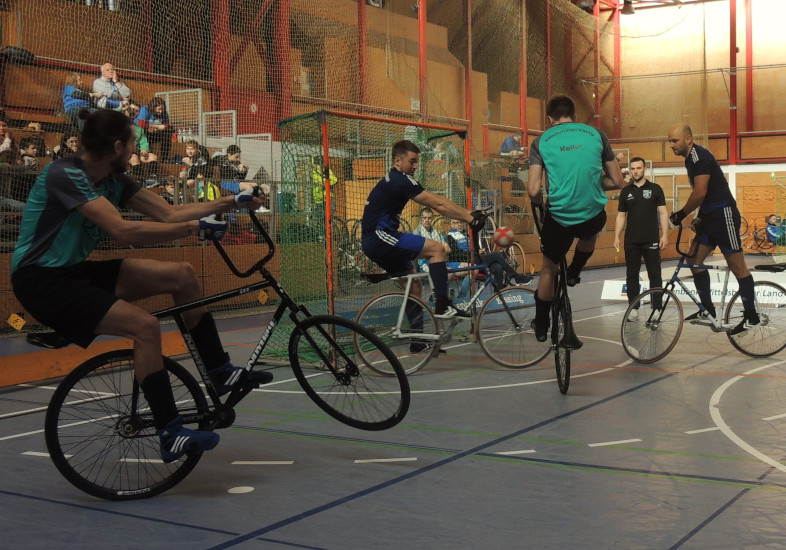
(393, 252)
(71, 300)
(721, 229)
(556, 239)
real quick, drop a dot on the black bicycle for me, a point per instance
(563, 337)
(100, 432)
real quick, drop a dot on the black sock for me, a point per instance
(578, 262)
(542, 309)
(701, 281)
(439, 276)
(158, 392)
(747, 295)
(208, 343)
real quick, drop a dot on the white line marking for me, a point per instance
(34, 453)
(523, 452)
(262, 462)
(142, 460)
(369, 460)
(613, 442)
(691, 432)
(718, 419)
(776, 417)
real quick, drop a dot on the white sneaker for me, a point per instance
(450, 312)
(262, 210)
(633, 315)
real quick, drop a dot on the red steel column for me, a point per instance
(596, 14)
(468, 78)
(749, 63)
(733, 137)
(221, 47)
(617, 81)
(523, 70)
(281, 72)
(362, 53)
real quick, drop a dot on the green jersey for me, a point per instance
(572, 156)
(53, 232)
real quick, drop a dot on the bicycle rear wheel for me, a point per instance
(657, 327)
(769, 337)
(380, 316)
(516, 258)
(503, 329)
(561, 354)
(324, 352)
(100, 433)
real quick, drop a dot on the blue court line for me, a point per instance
(425, 469)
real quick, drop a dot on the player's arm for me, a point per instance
(700, 186)
(622, 217)
(443, 205)
(534, 182)
(663, 216)
(148, 203)
(613, 178)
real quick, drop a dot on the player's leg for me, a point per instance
(587, 233)
(651, 255)
(436, 255)
(555, 241)
(633, 252)
(701, 277)
(141, 278)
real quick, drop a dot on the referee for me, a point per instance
(642, 213)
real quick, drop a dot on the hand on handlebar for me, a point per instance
(479, 218)
(211, 228)
(677, 217)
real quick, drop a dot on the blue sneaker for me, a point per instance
(226, 376)
(177, 440)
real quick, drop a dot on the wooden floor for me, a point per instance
(685, 453)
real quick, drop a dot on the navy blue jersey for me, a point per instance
(387, 200)
(700, 162)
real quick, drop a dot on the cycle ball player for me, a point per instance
(72, 205)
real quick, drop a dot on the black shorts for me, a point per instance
(721, 229)
(71, 300)
(556, 239)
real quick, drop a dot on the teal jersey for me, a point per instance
(572, 156)
(53, 233)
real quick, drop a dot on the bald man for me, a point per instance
(113, 91)
(720, 225)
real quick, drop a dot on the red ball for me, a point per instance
(503, 237)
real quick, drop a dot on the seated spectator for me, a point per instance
(142, 157)
(230, 168)
(75, 98)
(773, 231)
(7, 141)
(169, 193)
(16, 180)
(29, 148)
(68, 146)
(154, 120)
(194, 169)
(113, 92)
(238, 235)
(458, 241)
(425, 228)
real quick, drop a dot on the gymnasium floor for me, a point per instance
(685, 453)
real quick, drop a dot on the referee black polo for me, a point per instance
(641, 204)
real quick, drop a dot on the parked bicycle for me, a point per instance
(760, 241)
(100, 432)
(659, 321)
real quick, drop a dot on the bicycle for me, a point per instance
(660, 319)
(501, 325)
(563, 337)
(100, 432)
(514, 254)
(761, 241)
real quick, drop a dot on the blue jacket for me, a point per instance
(74, 98)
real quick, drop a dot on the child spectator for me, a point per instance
(75, 98)
(29, 148)
(7, 141)
(142, 155)
(154, 120)
(69, 145)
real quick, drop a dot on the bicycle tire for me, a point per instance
(510, 342)
(323, 350)
(769, 337)
(743, 228)
(516, 257)
(561, 354)
(380, 316)
(656, 330)
(102, 446)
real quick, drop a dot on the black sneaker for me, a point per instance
(450, 311)
(541, 333)
(700, 315)
(419, 347)
(227, 376)
(522, 279)
(572, 280)
(750, 321)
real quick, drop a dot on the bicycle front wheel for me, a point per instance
(503, 329)
(561, 353)
(516, 258)
(380, 316)
(324, 352)
(657, 327)
(769, 337)
(100, 433)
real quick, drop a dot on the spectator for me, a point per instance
(69, 145)
(141, 156)
(230, 168)
(154, 120)
(512, 147)
(427, 230)
(29, 148)
(7, 141)
(194, 169)
(75, 98)
(773, 231)
(16, 180)
(113, 91)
